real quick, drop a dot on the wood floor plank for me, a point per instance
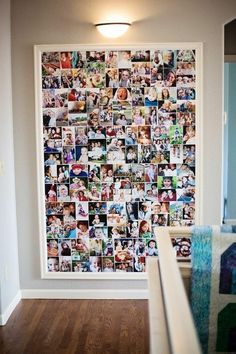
(77, 327)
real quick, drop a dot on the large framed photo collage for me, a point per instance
(118, 134)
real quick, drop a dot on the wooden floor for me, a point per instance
(77, 326)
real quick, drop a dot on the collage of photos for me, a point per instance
(119, 134)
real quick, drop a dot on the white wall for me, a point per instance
(9, 274)
(61, 22)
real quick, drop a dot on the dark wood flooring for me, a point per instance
(77, 327)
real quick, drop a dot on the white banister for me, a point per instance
(181, 329)
(159, 343)
(172, 329)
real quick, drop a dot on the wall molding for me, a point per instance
(230, 221)
(39, 109)
(81, 294)
(6, 314)
(92, 294)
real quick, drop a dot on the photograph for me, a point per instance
(53, 264)
(50, 63)
(108, 264)
(182, 247)
(111, 59)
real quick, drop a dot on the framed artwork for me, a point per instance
(118, 151)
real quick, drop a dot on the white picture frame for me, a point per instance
(38, 50)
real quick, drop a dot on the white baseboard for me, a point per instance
(84, 294)
(5, 316)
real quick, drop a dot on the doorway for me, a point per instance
(229, 144)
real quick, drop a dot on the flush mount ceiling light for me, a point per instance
(112, 29)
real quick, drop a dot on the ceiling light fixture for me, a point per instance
(112, 29)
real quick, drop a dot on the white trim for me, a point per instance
(230, 221)
(38, 49)
(6, 314)
(199, 137)
(113, 294)
(175, 231)
(102, 46)
(96, 276)
(39, 160)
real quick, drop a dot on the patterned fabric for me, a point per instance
(213, 297)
